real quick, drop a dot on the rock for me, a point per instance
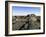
(26, 22)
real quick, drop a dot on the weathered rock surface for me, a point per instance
(26, 22)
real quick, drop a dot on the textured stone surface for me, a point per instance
(26, 22)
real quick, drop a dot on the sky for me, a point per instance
(20, 10)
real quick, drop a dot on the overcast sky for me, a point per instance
(19, 10)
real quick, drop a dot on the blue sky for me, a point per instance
(19, 10)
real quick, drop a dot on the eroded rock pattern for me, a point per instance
(25, 22)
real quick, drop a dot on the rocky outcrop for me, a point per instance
(26, 22)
